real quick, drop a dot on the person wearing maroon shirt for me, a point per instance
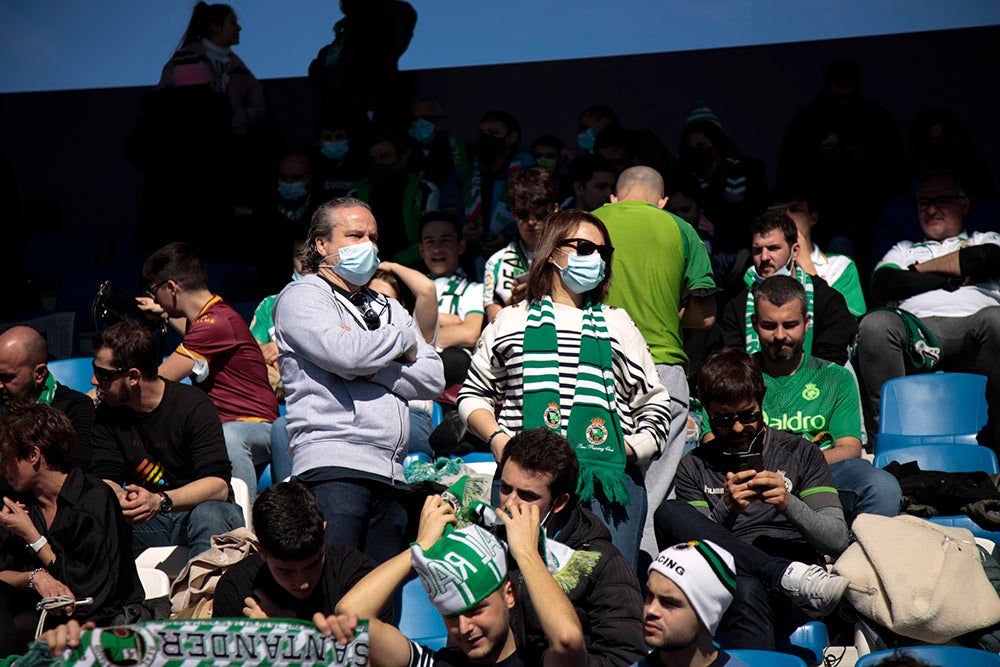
(218, 352)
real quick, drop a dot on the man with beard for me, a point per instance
(159, 445)
(816, 399)
(690, 586)
(775, 251)
(768, 488)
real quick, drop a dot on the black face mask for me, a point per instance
(491, 147)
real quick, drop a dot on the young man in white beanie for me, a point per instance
(465, 573)
(689, 589)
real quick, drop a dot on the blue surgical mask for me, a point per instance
(357, 262)
(335, 150)
(292, 191)
(757, 279)
(585, 140)
(422, 131)
(582, 273)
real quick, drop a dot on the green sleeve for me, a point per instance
(849, 284)
(263, 320)
(846, 419)
(698, 267)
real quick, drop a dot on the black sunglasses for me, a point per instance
(585, 247)
(107, 374)
(727, 421)
(362, 303)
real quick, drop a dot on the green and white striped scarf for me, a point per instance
(751, 279)
(594, 429)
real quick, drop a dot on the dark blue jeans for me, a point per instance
(193, 528)
(759, 610)
(364, 514)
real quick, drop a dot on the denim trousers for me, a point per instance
(759, 610)
(365, 514)
(193, 528)
(248, 444)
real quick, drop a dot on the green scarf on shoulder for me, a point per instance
(594, 429)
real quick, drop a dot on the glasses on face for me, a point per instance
(942, 202)
(585, 247)
(153, 289)
(363, 304)
(525, 214)
(107, 374)
(726, 421)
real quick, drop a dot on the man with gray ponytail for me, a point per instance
(350, 360)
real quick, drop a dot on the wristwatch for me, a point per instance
(166, 504)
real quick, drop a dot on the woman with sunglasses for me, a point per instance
(561, 360)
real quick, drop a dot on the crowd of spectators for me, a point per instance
(652, 345)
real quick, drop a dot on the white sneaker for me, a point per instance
(812, 588)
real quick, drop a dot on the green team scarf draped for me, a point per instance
(751, 280)
(48, 390)
(594, 429)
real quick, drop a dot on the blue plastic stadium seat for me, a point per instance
(437, 415)
(418, 619)
(809, 641)
(414, 458)
(74, 373)
(962, 521)
(947, 656)
(947, 457)
(932, 407)
(755, 658)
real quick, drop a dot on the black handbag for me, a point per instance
(112, 305)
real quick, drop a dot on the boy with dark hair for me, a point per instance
(218, 352)
(534, 195)
(460, 300)
(592, 178)
(464, 571)
(539, 468)
(292, 575)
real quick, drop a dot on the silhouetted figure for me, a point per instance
(841, 143)
(358, 72)
(183, 145)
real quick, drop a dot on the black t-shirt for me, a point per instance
(80, 410)
(344, 567)
(449, 656)
(178, 442)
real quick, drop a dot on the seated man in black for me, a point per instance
(292, 575)
(159, 445)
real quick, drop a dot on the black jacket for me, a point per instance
(607, 600)
(834, 327)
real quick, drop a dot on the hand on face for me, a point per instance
(14, 517)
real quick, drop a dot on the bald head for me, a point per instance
(640, 184)
(23, 354)
(27, 341)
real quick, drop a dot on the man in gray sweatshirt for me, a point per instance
(350, 360)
